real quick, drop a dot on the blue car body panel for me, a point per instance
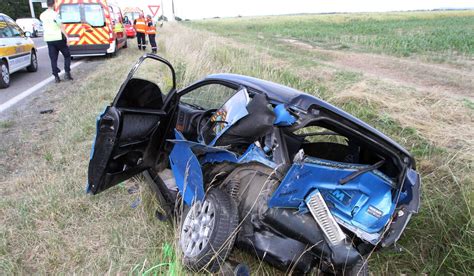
(365, 202)
(187, 170)
(186, 166)
(253, 154)
(283, 117)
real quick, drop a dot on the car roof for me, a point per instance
(290, 96)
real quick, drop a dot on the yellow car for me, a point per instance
(17, 50)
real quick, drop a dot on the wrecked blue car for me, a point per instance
(256, 165)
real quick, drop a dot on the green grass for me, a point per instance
(401, 34)
(6, 123)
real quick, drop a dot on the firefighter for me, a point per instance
(151, 31)
(140, 26)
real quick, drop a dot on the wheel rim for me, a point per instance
(5, 74)
(34, 61)
(197, 228)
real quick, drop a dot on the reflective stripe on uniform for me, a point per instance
(140, 25)
(150, 29)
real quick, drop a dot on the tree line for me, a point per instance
(19, 8)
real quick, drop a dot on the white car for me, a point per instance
(32, 25)
(17, 50)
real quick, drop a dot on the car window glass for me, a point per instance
(314, 134)
(70, 13)
(210, 96)
(17, 31)
(119, 16)
(132, 15)
(112, 13)
(156, 73)
(94, 15)
(5, 31)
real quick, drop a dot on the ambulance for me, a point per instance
(94, 27)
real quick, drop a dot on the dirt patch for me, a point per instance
(441, 79)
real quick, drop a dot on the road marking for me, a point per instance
(42, 47)
(30, 91)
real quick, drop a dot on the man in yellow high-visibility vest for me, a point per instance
(55, 37)
(140, 26)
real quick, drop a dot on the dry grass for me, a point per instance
(49, 225)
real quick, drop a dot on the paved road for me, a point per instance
(23, 80)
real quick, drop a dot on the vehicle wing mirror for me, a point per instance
(27, 34)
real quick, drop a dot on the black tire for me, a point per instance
(222, 236)
(361, 268)
(4, 74)
(33, 67)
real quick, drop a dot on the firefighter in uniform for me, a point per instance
(151, 31)
(140, 26)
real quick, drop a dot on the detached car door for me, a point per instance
(131, 131)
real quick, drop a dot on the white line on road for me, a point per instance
(30, 91)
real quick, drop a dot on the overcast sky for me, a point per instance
(196, 9)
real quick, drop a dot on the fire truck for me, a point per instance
(94, 27)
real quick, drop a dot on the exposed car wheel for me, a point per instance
(5, 75)
(33, 67)
(208, 231)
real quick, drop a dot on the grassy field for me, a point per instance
(402, 34)
(49, 225)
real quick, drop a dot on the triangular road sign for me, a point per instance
(154, 9)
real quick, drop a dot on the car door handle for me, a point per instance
(89, 30)
(19, 43)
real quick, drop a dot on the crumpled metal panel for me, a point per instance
(186, 170)
(365, 202)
